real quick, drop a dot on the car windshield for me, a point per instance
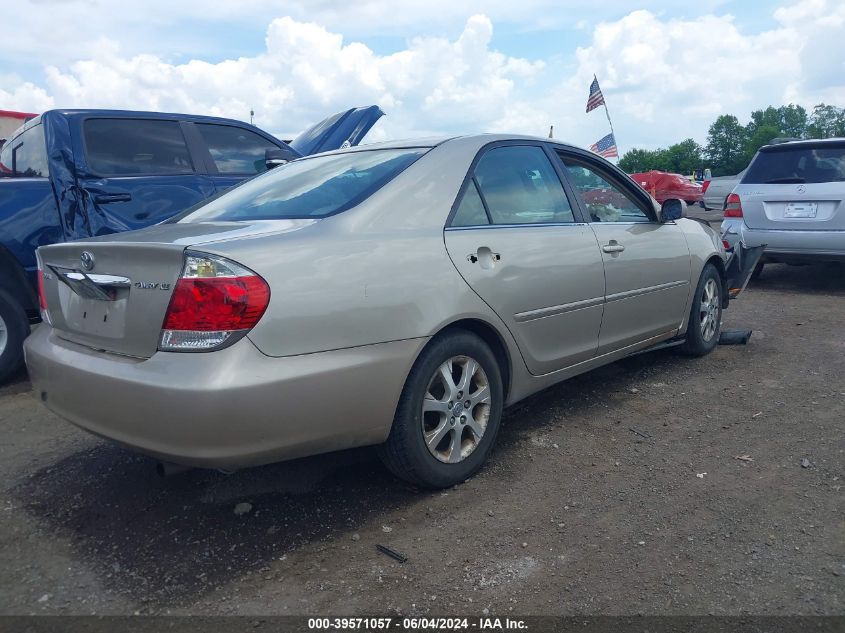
(798, 164)
(309, 188)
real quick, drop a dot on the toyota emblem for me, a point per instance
(87, 260)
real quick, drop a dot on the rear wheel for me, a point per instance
(14, 327)
(448, 414)
(705, 320)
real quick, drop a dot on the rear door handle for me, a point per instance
(105, 198)
(613, 247)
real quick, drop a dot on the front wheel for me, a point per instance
(448, 414)
(705, 320)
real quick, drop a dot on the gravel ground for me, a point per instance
(658, 485)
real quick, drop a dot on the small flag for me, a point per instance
(606, 147)
(596, 98)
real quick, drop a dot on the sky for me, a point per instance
(667, 68)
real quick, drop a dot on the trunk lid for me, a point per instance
(112, 293)
(799, 186)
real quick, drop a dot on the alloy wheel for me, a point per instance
(709, 309)
(455, 409)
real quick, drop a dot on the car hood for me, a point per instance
(341, 130)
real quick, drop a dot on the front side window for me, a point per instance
(136, 147)
(235, 150)
(604, 200)
(309, 188)
(25, 156)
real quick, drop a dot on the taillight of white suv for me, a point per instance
(215, 302)
(733, 206)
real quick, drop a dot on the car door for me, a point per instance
(135, 172)
(646, 262)
(519, 242)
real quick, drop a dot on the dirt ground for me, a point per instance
(657, 485)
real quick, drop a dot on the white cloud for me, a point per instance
(665, 78)
(306, 72)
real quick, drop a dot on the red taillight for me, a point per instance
(42, 297)
(225, 303)
(704, 186)
(733, 206)
(214, 302)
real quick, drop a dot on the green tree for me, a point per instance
(793, 120)
(826, 121)
(762, 136)
(637, 160)
(789, 120)
(726, 141)
(684, 157)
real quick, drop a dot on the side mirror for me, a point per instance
(672, 210)
(278, 156)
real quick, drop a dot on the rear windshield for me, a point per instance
(798, 164)
(309, 188)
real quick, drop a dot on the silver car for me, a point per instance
(398, 294)
(718, 189)
(792, 200)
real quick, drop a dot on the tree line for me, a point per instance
(731, 145)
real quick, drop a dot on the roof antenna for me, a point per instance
(551, 131)
(251, 114)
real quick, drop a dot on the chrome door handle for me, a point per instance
(613, 247)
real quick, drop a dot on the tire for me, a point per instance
(459, 452)
(14, 328)
(705, 319)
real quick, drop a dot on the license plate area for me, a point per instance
(90, 316)
(800, 210)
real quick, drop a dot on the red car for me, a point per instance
(665, 186)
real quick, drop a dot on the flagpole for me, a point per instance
(607, 112)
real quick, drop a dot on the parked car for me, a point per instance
(80, 173)
(792, 200)
(398, 294)
(665, 186)
(716, 190)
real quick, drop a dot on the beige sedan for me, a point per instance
(398, 294)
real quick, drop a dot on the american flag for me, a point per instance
(596, 98)
(606, 147)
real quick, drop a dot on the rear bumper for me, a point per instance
(227, 409)
(792, 245)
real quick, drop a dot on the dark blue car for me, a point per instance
(69, 174)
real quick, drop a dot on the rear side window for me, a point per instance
(135, 147)
(235, 150)
(782, 164)
(471, 210)
(25, 155)
(520, 186)
(310, 187)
